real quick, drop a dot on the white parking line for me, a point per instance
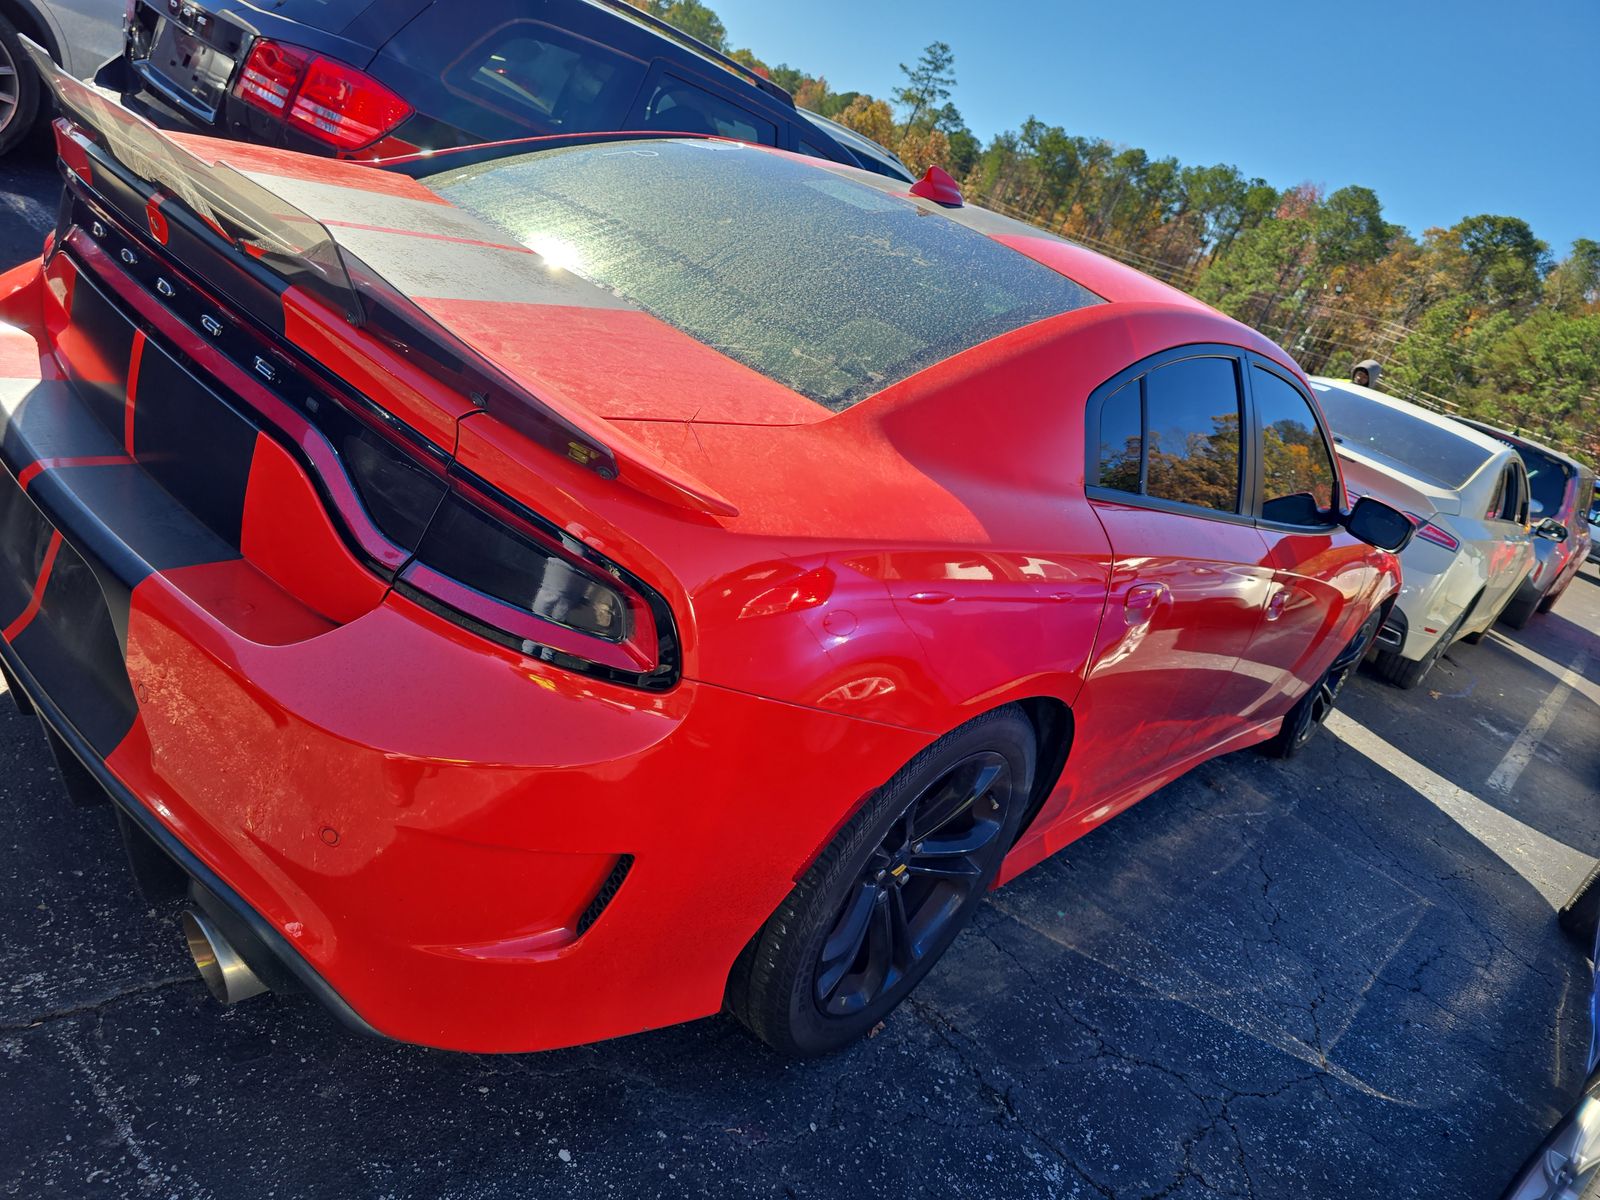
(1553, 868)
(1522, 750)
(1589, 691)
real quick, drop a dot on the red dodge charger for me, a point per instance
(556, 590)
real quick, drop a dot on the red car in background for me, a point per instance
(576, 587)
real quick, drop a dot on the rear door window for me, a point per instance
(1122, 439)
(682, 107)
(1192, 433)
(1514, 498)
(519, 78)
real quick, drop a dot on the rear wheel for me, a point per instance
(889, 895)
(1552, 596)
(19, 90)
(1312, 709)
(1520, 611)
(1407, 673)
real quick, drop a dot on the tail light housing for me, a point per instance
(489, 565)
(486, 562)
(1430, 532)
(320, 96)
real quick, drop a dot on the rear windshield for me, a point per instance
(1412, 443)
(828, 286)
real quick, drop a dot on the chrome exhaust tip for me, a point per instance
(227, 976)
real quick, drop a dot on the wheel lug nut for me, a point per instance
(917, 849)
(882, 875)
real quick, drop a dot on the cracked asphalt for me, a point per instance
(1335, 977)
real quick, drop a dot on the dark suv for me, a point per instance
(1562, 489)
(372, 79)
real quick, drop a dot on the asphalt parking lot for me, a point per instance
(1335, 977)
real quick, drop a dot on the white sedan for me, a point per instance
(1466, 493)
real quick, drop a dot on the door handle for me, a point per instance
(1142, 600)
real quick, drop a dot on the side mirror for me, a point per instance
(1552, 529)
(1380, 525)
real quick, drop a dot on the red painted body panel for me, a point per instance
(424, 813)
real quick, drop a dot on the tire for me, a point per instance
(1302, 721)
(1580, 916)
(19, 90)
(799, 986)
(1519, 612)
(1407, 673)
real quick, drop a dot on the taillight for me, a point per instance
(270, 76)
(530, 587)
(485, 562)
(327, 99)
(1429, 532)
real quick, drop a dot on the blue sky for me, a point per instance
(1446, 108)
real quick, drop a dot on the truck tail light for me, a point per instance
(334, 103)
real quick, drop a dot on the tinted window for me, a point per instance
(534, 73)
(829, 286)
(521, 77)
(1547, 480)
(1192, 427)
(1296, 463)
(1121, 439)
(1408, 441)
(683, 108)
(1512, 499)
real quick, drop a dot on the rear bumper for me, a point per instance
(251, 931)
(418, 823)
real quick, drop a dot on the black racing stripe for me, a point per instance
(192, 442)
(126, 526)
(111, 334)
(48, 420)
(72, 650)
(24, 538)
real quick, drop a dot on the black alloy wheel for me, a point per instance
(914, 883)
(886, 898)
(1312, 709)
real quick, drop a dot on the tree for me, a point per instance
(1576, 280)
(1505, 261)
(750, 60)
(920, 149)
(697, 20)
(870, 118)
(927, 84)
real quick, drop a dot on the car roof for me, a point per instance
(1437, 420)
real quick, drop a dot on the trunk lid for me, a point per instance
(1366, 476)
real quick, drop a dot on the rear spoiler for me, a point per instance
(275, 235)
